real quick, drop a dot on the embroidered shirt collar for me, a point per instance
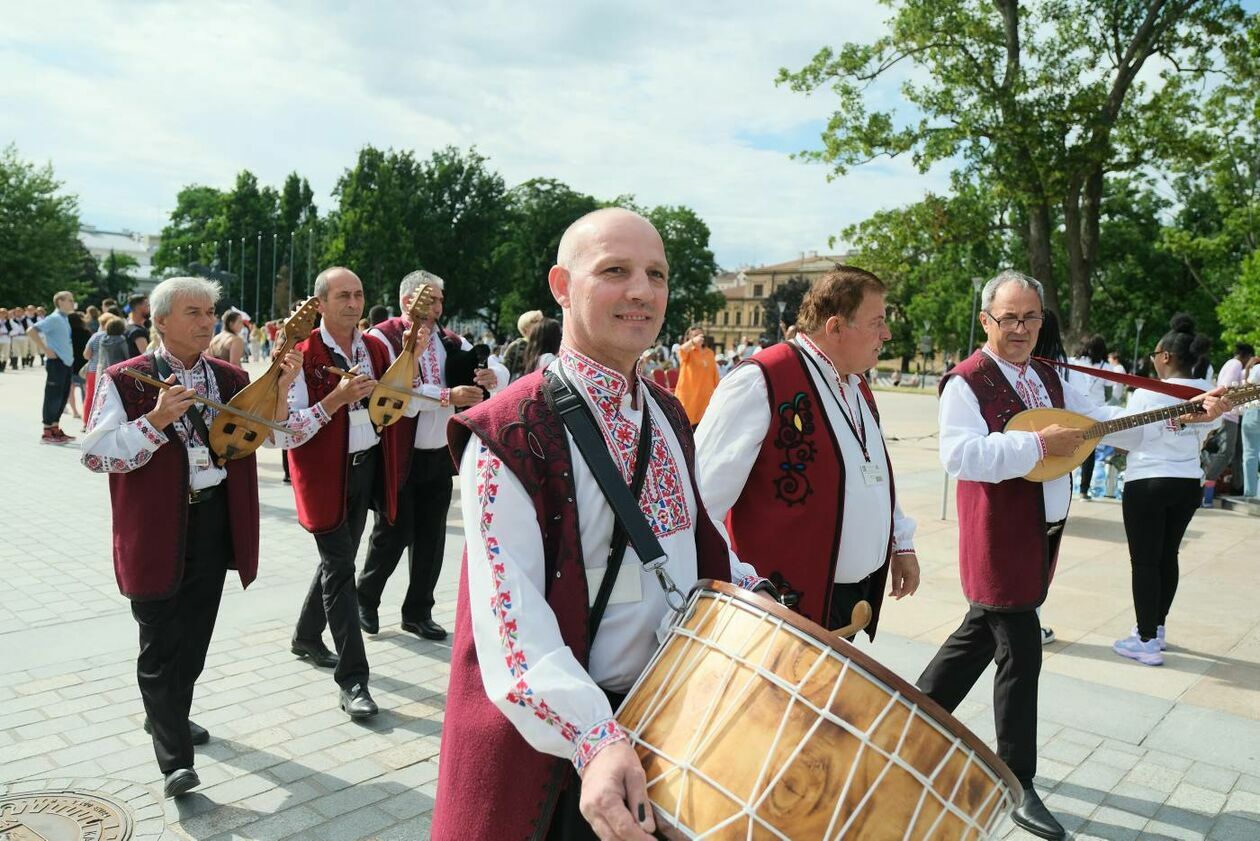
(173, 361)
(602, 384)
(1020, 370)
(811, 347)
(356, 338)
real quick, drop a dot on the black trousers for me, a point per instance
(1087, 471)
(331, 600)
(844, 597)
(1157, 512)
(420, 528)
(1013, 642)
(56, 390)
(175, 632)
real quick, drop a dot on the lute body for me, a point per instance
(386, 405)
(234, 436)
(1052, 467)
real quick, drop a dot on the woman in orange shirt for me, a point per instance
(697, 375)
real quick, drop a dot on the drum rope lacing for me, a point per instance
(667, 690)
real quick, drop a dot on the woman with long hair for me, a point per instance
(79, 335)
(543, 345)
(1093, 354)
(1162, 491)
(228, 344)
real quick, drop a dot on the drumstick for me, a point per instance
(861, 618)
(351, 374)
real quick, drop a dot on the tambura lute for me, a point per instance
(754, 723)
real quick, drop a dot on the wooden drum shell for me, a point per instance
(754, 723)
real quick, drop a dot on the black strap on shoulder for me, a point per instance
(194, 413)
(631, 526)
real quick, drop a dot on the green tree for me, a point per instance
(1042, 100)
(927, 254)
(116, 276)
(195, 223)
(456, 222)
(40, 252)
(539, 211)
(692, 298)
(375, 199)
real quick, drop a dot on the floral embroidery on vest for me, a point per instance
(664, 500)
(796, 422)
(488, 468)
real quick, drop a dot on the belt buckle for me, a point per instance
(194, 497)
(358, 458)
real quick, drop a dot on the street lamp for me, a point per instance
(229, 270)
(976, 284)
(782, 327)
(1137, 337)
(257, 278)
(273, 275)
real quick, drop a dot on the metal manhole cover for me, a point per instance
(63, 816)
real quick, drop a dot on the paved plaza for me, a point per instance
(1128, 751)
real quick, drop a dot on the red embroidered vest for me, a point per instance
(318, 468)
(1004, 558)
(484, 761)
(796, 487)
(150, 503)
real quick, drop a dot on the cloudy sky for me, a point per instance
(672, 102)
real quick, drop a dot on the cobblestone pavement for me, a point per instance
(1127, 752)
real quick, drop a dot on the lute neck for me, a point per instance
(1105, 428)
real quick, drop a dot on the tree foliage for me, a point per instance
(1043, 101)
(40, 252)
(692, 298)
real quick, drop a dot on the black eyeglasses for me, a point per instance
(1008, 323)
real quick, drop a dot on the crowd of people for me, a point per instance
(559, 603)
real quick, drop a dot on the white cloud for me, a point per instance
(130, 102)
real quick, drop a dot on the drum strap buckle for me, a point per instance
(675, 598)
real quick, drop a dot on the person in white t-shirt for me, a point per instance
(1093, 354)
(1162, 492)
(1231, 374)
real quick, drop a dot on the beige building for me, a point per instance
(746, 291)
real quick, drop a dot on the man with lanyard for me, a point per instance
(791, 438)
(425, 497)
(1009, 528)
(180, 519)
(529, 737)
(51, 336)
(339, 467)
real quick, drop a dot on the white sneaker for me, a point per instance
(1047, 635)
(1147, 653)
(1159, 635)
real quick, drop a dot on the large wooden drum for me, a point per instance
(754, 723)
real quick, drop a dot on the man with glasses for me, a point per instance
(791, 438)
(1009, 528)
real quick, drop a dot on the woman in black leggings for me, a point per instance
(1162, 491)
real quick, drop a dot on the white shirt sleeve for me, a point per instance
(528, 672)
(729, 438)
(113, 443)
(304, 419)
(903, 530)
(969, 451)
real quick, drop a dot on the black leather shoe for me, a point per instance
(180, 781)
(200, 735)
(368, 620)
(357, 702)
(1033, 816)
(426, 628)
(316, 652)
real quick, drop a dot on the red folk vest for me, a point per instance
(1004, 557)
(318, 468)
(492, 786)
(150, 503)
(796, 488)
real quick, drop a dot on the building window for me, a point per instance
(738, 314)
(726, 317)
(758, 289)
(756, 318)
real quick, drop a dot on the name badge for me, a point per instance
(627, 590)
(873, 475)
(359, 417)
(199, 457)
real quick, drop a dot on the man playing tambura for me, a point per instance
(425, 496)
(181, 521)
(1009, 528)
(792, 437)
(530, 747)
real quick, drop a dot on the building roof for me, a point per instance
(811, 262)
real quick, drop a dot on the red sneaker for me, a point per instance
(48, 437)
(61, 437)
